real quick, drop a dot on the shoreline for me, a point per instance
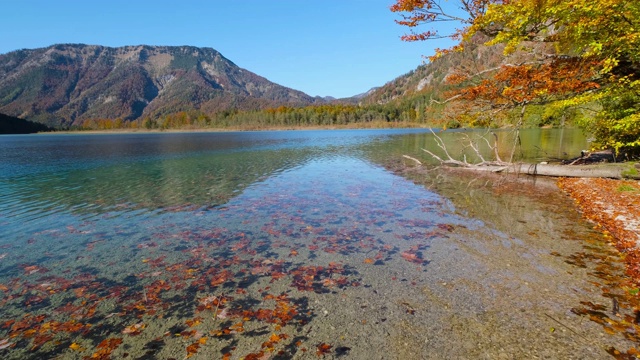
(530, 210)
(614, 206)
(371, 126)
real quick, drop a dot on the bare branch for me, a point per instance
(449, 161)
(411, 158)
(495, 147)
(475, 149)
(445, 101)
(470, 144)
(440, 143)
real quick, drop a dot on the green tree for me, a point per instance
(604, 32)
(561, 37)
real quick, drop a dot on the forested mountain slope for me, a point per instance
(13, 125)
(426, 88)
(64, 84)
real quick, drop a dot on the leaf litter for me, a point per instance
(304, 281)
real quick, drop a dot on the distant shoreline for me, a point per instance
(372, 126)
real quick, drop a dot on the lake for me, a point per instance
(295, 244)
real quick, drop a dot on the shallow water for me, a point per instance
(285, 245)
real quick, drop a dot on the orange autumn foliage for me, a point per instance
(614, 206)
(323, 349)
(529, 83)
(418, 12)
(193, 349)
(105, 348)
(134, 329)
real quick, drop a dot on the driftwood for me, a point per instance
(571, 168)
(592, 157)
(613, 171)
(464, 163)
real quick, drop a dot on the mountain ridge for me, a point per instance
(64, 84)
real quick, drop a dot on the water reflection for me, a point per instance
(49, 176)
(278, 245)
(532, 145)
(97, 174)
(191, 182)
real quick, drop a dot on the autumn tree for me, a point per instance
(461, 13)
(578, 53)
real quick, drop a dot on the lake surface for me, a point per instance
(298, 244)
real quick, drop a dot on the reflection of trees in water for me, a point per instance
(534, 144)
(208, 180)
(198, 181)
(478, 195)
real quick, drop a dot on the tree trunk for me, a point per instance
(613, 171)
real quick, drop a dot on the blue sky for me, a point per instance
(334, 48)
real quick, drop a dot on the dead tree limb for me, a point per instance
(412, 158)
(451, 161)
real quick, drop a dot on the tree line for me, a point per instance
(327, 115)
(411, 110)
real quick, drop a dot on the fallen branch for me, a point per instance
(411, 158)
(612, 171)
(604, 170)
(451, 161)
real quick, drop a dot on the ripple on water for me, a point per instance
(286, 251)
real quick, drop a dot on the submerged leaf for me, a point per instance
(323, 349)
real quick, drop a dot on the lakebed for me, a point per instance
(292, 245)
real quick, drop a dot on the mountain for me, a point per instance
(422, 95)
(65, 84)
(365, 94)
(429, 79)
(14, 125)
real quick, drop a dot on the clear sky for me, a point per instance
(334, 48)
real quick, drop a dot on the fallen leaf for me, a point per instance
(323, 349)
(134, 329)
(4, 343)
(192, 349)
